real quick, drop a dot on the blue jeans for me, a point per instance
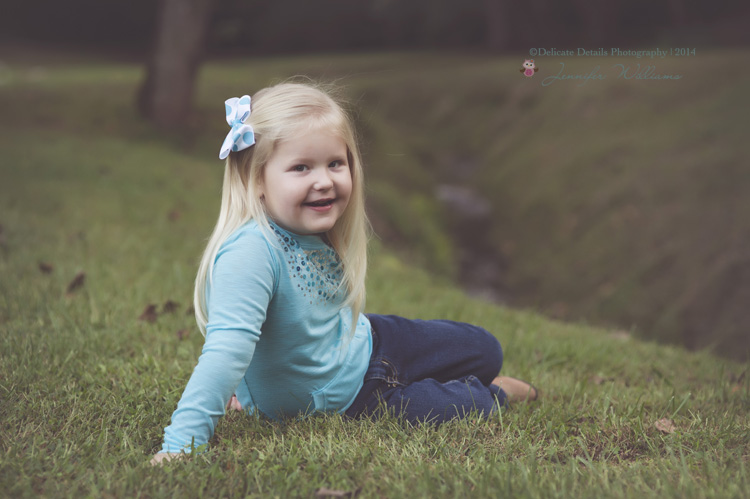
(429, 371)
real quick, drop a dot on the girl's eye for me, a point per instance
(336, 163)
(299, 168)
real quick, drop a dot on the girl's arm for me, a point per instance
(240, 291)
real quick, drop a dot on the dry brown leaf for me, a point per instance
(77, 236)
(665, 425)
(169, 307)
(621, 335)
(559, 310)
(149, 314)
(736, 381)
(182, 334)
(324, 492)
(174, 215)
(733, 378)
(76, 283)
(45, 267)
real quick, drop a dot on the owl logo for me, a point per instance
(528, 69)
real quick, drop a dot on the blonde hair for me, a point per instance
(280, 113)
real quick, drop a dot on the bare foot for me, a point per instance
(515, 389)
(234, 404)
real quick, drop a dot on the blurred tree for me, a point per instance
(166, 92)
(263, 28)
(498, 24)
(677, 12)
(599, 20)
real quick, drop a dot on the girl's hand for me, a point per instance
(164, 456)
(168, 456)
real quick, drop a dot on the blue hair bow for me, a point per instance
(241, 136)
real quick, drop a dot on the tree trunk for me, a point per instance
(599, 20)
(498, 25)
(166, 94)
(677, 13)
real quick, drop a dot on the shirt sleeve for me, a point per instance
(237, 301)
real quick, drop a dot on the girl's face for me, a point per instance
(307, 182)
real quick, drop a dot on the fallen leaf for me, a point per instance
(182, 334)
(78, 236)
(559, 310)
(324, 492)
(737, 379)
(169, 307)
(45, 267)
(621, 335)
(174, 215)
(665, 425)
(149, 314)
(76, 283)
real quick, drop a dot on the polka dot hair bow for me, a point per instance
(241, 136)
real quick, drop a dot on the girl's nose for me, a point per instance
(323, 180)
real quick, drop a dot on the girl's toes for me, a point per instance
(517, 390)
(234, 404)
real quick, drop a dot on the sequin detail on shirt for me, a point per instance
(316, 272)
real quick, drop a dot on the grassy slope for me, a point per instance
(640, 189)
(85, 387)
(618, 201)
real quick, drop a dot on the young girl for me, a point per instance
(281, 286)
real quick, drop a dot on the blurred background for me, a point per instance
(622, 202)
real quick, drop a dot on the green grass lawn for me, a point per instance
(86, 387)
(615, 202)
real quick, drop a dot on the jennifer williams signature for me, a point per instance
(625, 72)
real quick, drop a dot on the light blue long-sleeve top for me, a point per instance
(277, 335)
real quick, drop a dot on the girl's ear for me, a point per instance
(260, 188)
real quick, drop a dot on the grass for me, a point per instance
(86, 387)
(619, 202)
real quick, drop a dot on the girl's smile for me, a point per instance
(322, 205)
(307, 182)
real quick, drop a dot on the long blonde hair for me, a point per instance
(279, 113)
